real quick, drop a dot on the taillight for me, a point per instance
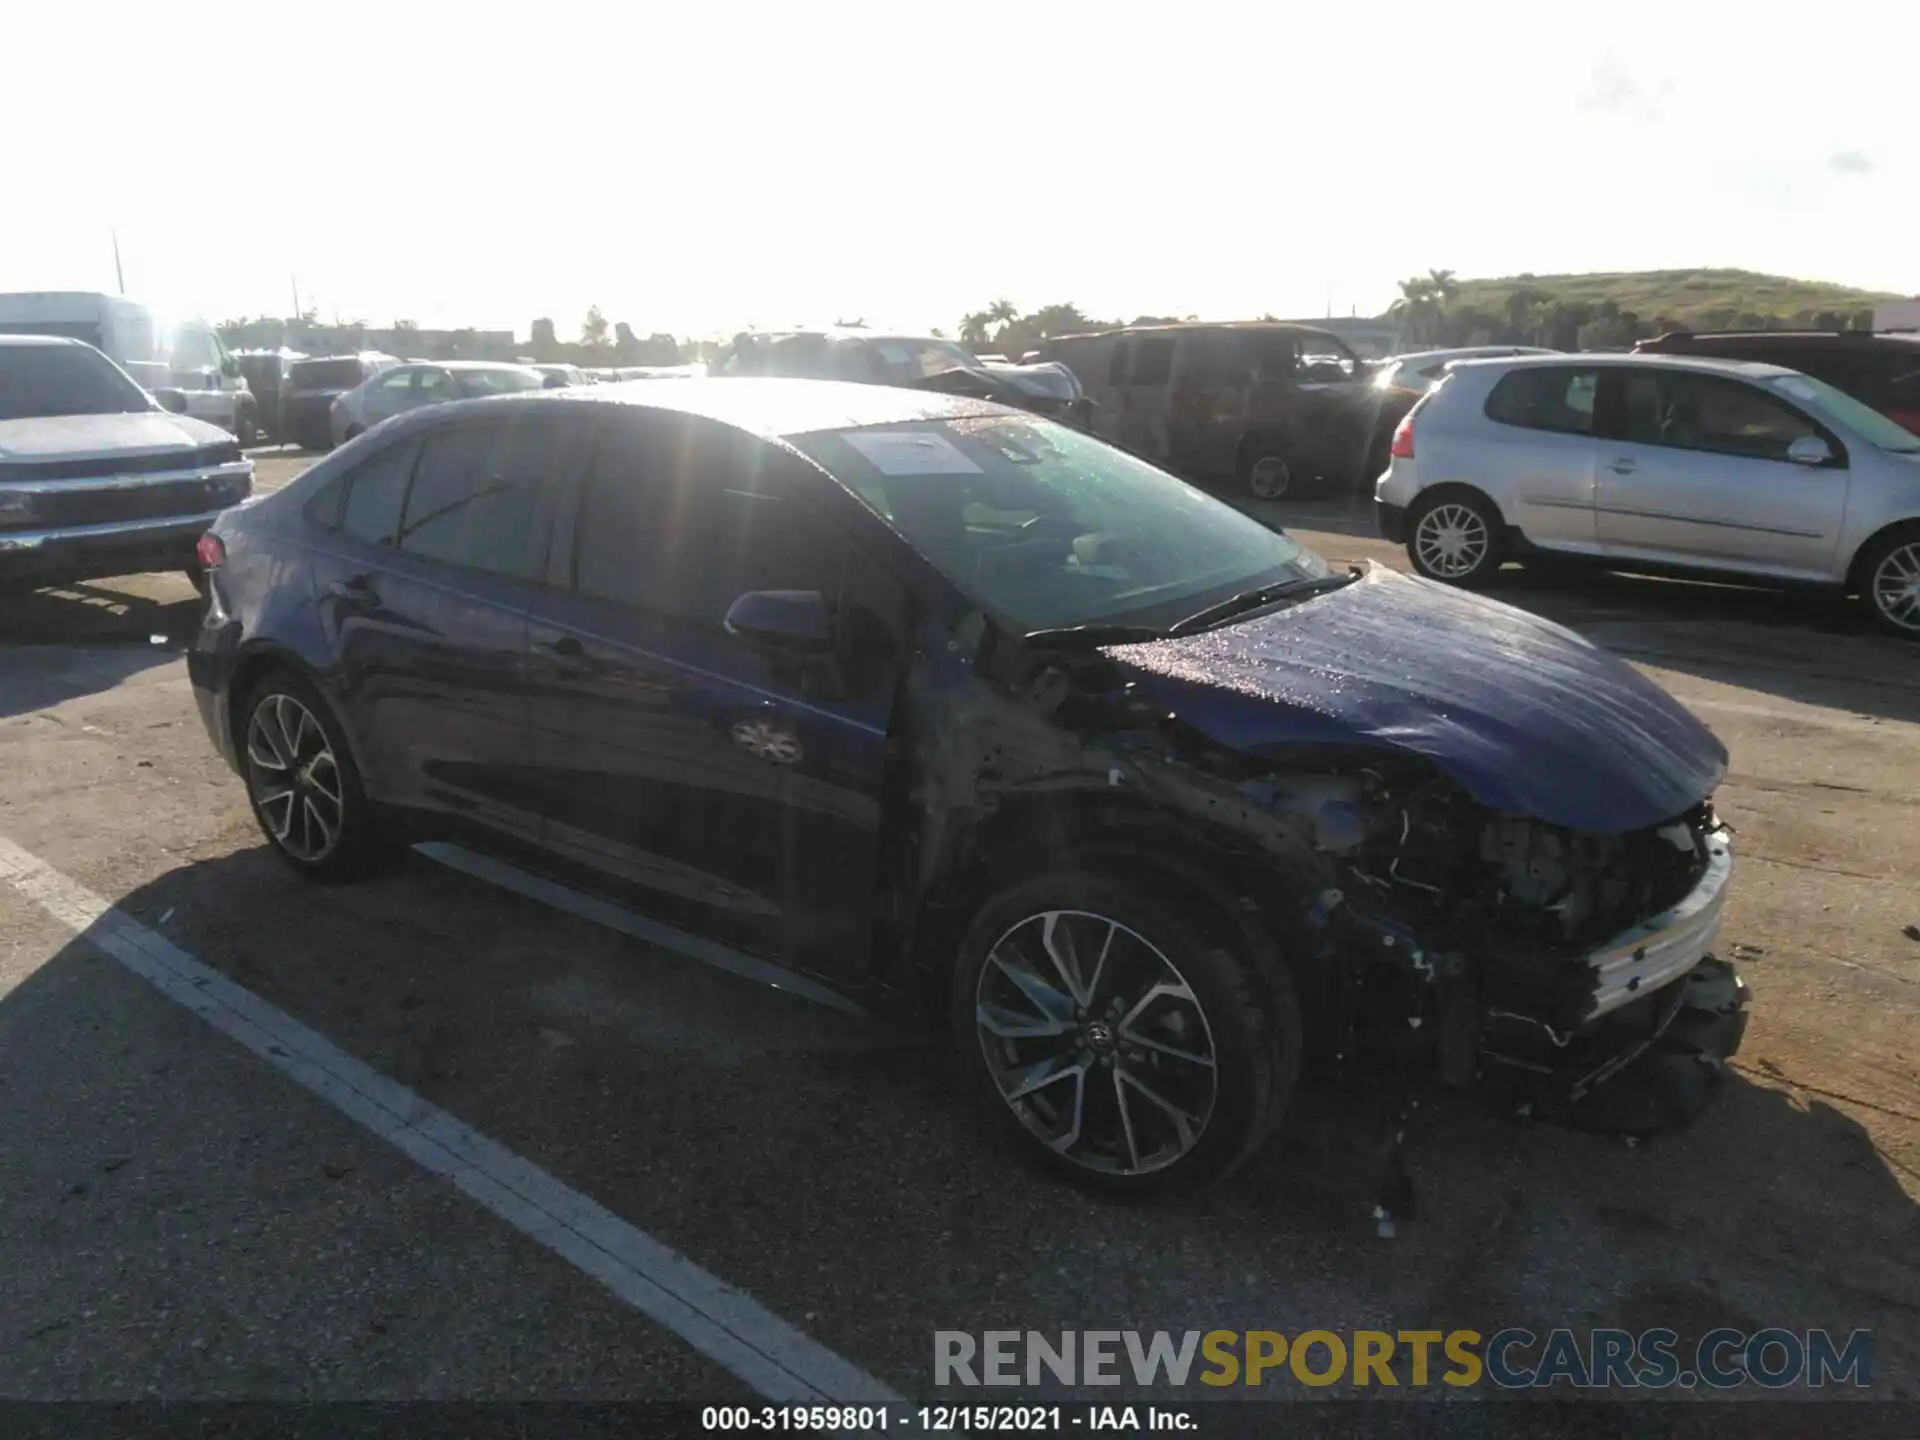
(211, 550)
(1402, 447)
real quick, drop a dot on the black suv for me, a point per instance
(1881, 370)
(311, 387)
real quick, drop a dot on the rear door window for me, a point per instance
(369, 505)
(476, 495)
(1152, 360)
(1553, 397)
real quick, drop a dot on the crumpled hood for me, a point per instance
(83, 437)
(1524, 714)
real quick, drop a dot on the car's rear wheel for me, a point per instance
(244, 430)
(306, 792)
(1454, 536)
(1116, 1043)
(1890, 582)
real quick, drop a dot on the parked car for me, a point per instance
(559, 377)
(95, 478)
(1659, 462)
(408, 387)
(1274, 409)
(918, 362)
(265, 372)
(186, 357)
(312, 386)
(954, 706)
(1882, 370)
(1400, 381)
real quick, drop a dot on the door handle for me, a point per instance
(1624, 466)
(567, 653)
(355, 590)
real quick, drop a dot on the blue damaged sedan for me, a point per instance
(960, 710)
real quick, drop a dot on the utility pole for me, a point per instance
(296, 295)
(118, 274)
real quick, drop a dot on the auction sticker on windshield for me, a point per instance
(910, 452)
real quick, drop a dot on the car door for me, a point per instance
(1142, 376)
(1695, 469)
(385, 396)
(1538, 458)
(440, 542)
(739, 789)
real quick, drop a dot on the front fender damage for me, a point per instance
(1429, 936)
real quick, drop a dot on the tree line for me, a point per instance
(600, 343)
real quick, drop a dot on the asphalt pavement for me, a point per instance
(183, 1216)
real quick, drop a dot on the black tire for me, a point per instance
(1887, 562)
(363, 842)
(245, 431)
(1271, 470)
(1456, 517)
(196, 574)
(354, 432)
(1249, 1027)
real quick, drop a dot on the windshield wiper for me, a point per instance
(1068, 636)
(1258, 596)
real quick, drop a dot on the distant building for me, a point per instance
(1897, 315)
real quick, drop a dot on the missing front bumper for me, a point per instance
(1644, 1068)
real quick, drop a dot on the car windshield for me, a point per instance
(497, 382)
(1046, 528)
(38, 381)
(1865, 421)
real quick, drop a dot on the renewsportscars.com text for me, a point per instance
(1511, 1359)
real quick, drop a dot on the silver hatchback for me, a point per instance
(1662, 463)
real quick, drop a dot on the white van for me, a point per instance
(187, 356)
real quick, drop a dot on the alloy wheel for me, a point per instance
(1096, 1042)
(1270, 478)
(1451, 541)
(1895, 586)
(294, 778)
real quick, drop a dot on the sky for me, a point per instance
(700, 168)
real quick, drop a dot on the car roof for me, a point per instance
(773, 408)
(37, 341)
(1788, 339)
(1583, 360)
(1174, 327)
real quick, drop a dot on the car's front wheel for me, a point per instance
(1454, 536)
(306, 791)
(1890, 582)
(1114, 1041)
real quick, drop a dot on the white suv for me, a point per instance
(1662, 463)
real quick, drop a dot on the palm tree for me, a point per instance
(1051, 320)
(973, 328)
(1003, 312)
(1444, 287)
(1417, 308)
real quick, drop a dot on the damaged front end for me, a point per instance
(1549, 960)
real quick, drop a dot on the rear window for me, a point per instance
(325, 375)
(1152, 360)
(1553, 398)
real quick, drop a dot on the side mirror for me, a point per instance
(1810, 450)
(172, 400)
(788, 622)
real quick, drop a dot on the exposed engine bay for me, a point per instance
(1495, 941)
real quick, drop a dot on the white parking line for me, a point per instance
(727, 1325)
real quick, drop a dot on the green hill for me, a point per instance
(1696, 297)
(1610, 309)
